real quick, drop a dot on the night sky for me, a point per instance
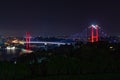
(58, 17)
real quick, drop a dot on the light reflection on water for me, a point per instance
(8, 54)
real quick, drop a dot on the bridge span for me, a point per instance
(46, 43)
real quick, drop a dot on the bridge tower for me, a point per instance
(27, 41)
(94, 33)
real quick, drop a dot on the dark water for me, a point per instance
(9, 54)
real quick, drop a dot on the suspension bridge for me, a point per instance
(90, 34)
(93, 33)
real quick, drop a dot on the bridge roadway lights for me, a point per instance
(45, 43)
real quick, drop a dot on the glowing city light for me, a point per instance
(10, 48)
(111, 47)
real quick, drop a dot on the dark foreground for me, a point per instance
(78, 62)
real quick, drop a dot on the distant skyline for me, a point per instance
(58, 17)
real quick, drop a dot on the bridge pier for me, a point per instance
(94, 33)
(27, 41)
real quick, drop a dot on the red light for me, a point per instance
(94, 34)
(27, 41)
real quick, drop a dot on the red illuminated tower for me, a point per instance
(27, 40)
(94, 33)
